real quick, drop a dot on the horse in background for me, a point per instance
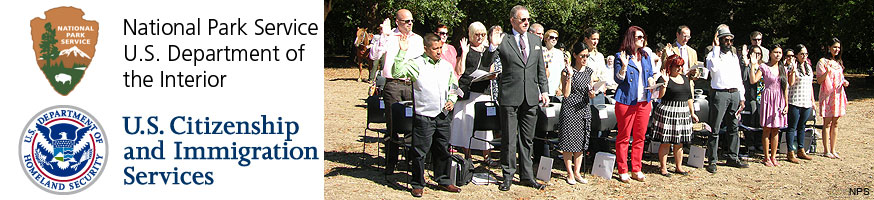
(362, 49)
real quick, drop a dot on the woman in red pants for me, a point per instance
(633, 72)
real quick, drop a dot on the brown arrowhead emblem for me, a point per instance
(64, 44)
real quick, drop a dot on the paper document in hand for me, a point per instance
(598, 86)
(484, 76)
(656, 86)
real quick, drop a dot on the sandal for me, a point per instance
(830, 155)
(625, 178)
(767, 162)
(680, 172)
(666, 174)
(639, 176)
(582, 180)
(836, 155)
(774, 160)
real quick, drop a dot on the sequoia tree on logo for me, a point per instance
(64, 45)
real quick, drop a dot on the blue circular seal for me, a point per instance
(63, 149)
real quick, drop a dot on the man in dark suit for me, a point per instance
(521, 85)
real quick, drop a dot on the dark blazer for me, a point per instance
(626, 93)
(519, 80)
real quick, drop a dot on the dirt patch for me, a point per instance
(350, 174)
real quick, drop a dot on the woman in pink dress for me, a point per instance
(772, 113)
(832, 98)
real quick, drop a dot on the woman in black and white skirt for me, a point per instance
(675, 113)
(575, 116)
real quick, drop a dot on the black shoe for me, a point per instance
(535, 185)
(505, 186)
(737, 163)
(711, 168)
(666, 174)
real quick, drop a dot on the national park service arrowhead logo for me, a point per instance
(64, 44)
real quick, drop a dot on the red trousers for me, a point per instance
(631, 121)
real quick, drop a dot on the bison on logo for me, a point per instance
(64, 44)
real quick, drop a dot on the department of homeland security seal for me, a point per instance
(63, 149)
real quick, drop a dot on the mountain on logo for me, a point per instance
(75, 52)
(64, 44)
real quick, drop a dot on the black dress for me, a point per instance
(576, 115)
(673, 119)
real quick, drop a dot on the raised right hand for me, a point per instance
(386, 27)
(495, 41)
(623, 59)
(716, 39)
(465, 47)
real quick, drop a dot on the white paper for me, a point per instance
(598, 86)
(704, 72)
(491, 111)
(697, 106)
(544, 171)
(478, 73)
(782, 148)
(485, 76)
(603, 165)
(453, 172)
(656, 86)
(549, 111)
(602, 114)
(408, 112)
(696, 157)
(483, 179)
(654, 147)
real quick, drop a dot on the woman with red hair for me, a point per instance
(675, 114)
(633, 74)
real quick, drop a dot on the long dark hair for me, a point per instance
(628, 43)
(784, 81)
(803, 65)
(833, 57)
(577, 48)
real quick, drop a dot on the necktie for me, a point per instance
(522, 46)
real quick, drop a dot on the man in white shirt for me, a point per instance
(726, 98)
(436, 91)
(397, 89)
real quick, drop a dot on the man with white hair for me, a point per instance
(522, 84)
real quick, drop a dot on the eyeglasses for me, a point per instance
(442, 33)
(687, 36)
(757, 39)
(524, 19)
(639, 37)
(553, 37)
(480, 34)
(405, 21)
(727, 40)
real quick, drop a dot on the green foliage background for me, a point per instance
(784, 22)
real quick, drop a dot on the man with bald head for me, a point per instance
(397, 89)
(521, 86)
